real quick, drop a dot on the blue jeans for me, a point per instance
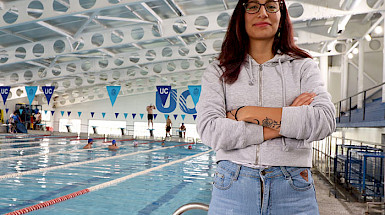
(240, 190)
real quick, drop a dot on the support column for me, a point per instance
(383, 65)
(360, 78)
(324, 67)
(344, 81)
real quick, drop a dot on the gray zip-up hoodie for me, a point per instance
(276, 83)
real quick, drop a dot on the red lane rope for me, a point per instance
(49, 202)
(99, 138)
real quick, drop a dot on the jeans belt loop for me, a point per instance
(285, 173)
(236, 175)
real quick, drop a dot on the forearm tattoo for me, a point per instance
(270, 123)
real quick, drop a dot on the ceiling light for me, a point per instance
(378, 30)
(368, 37)
(355, 51)
(350, 56)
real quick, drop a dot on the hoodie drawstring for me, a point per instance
(285, 147)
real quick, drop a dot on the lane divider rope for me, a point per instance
(101, 186)
(48, 153)
(18, 174)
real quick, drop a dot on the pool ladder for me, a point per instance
(191, 206)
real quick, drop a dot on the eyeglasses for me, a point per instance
(254, 7)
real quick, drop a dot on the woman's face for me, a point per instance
(262, 25)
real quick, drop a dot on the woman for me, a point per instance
(261, 106)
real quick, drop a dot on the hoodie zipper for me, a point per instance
(260, 85)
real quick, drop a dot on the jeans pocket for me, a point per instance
(222, 179)
(302, 181)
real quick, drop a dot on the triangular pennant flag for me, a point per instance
(21, 111)
(6, 110)
(31, 91)
(103, 114)
(68, 113)
(125, 115)
(163, 91)
(62, 112)
(79, 113)
(195, 117)
(183, 116)
(166, 116)
(52, 112)
(92, 114)
(4, 91)
(116, 115)
(195, 92)
(155, 115)
(48, 91)
(175, 116)
(113, 92)
(133, 115)
(46, 111)
(141, 116)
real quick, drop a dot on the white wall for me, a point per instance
(124, 104)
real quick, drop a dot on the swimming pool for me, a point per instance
(157, 180)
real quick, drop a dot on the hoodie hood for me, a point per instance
(278, 58)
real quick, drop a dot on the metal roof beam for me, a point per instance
(56, 29)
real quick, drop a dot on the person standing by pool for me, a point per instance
(150, 115)
(89, 144)
(261, 106)
(168, 126)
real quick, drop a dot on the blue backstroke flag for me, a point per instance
(48, 91)
(4, 91)
(113, 92)
(31, 91)
(195, 92)
(164, 92)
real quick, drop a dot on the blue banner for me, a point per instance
(155, 115)
(113, 92)
(31, 92)
(166, 116)
(133, 115)
(125, 115)
(46, 111)
(183, 103)
(195, 92)
(48, 91)
(79, 113)
(103, 114)
(163, 91)
(4, 91)
(141, 116)
(195, 117)
(68, 113)
(172, 105)
(62, 113)
(175, 116)
(183, 116)
(92, 114)
(21, 111)
(6, 110)
(116, 115)
(52, 112)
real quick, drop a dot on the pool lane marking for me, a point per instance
(101, 186)
(35, 147)
(13, 175)
(21, 143)
(34, 138)
(50, 153)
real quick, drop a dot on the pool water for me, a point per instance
(160, 191)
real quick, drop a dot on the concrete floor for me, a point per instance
(329, 205)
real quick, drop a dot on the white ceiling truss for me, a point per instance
(81, 46)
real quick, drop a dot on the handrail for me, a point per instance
(360, 141)
(361, 92)
(339, 103)
(191, 206)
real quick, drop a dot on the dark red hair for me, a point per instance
(235, 46)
